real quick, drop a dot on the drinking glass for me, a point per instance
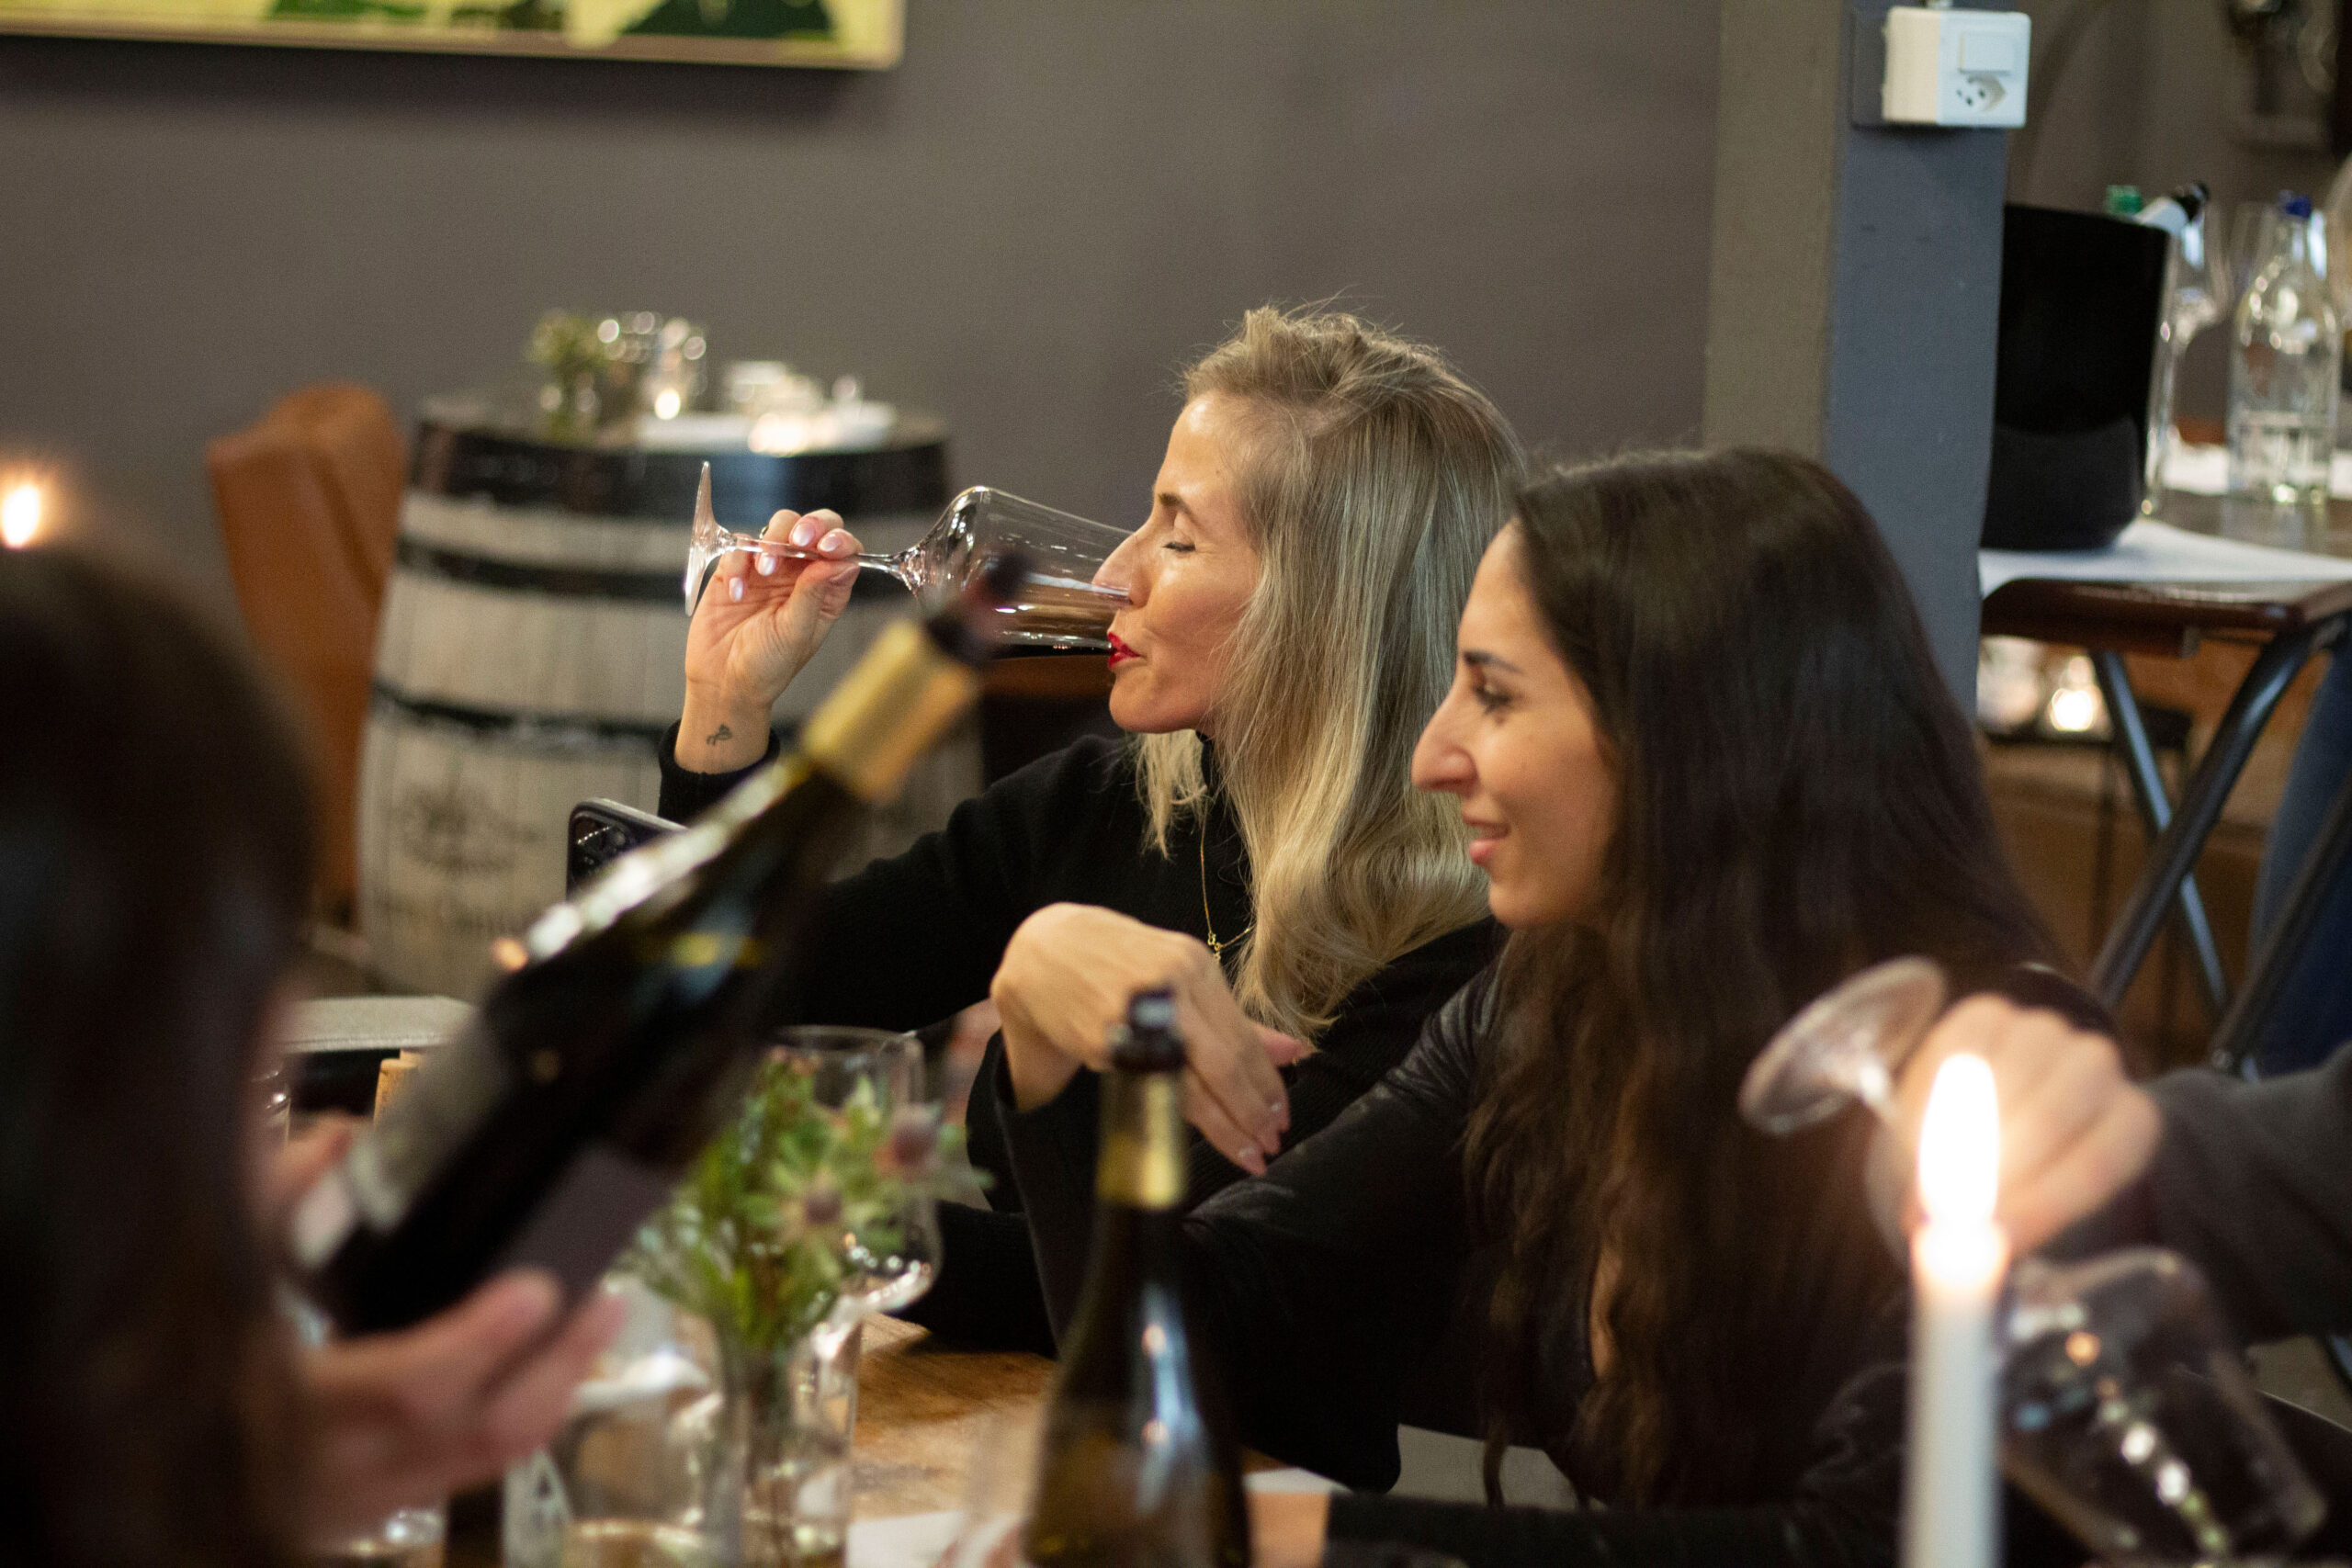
(2128, 1416)
(1001, 1490)
(1057, 607)
(1846, 1044)
(645, 1468)
(894, 1263)
(407, 1538)
(2196, 296)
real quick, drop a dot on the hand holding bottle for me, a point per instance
(757, 626)
(402, 1420)
(1066, 981)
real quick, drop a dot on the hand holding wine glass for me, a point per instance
(1065, 983)
(760, 622)
(2074, 1130)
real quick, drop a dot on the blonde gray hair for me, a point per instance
(1374, 480)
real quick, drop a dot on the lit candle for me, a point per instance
(1949, 1503)
(20, 514)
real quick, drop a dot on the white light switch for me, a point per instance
(1947, 66)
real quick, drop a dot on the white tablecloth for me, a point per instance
(2149, 551)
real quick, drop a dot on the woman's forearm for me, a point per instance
(718, 734)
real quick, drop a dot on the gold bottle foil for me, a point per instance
(887, 711)
(1142, 1163)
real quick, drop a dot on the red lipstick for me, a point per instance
(1120, 651)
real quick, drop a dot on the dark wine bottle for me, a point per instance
(595, 1072)
(1138, 1467)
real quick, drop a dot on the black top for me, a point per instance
(2253, 1183)
(917, 938)
(1325, 1284)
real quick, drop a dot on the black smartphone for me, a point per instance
(602, 831)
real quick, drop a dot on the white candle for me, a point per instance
(1951, 1515)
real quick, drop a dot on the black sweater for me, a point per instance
(1325, 1283)
(915, 939)
(2253, 1183)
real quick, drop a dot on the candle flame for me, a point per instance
(1960, 1144)
(20, 515)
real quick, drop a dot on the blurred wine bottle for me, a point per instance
(1139, 1466)
(595, 1072)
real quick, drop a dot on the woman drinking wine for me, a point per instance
(1313, 531)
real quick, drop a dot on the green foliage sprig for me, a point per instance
(789, 1203)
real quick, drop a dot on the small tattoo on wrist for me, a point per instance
(721, 733)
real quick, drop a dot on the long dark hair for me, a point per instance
(1797, 796)
(154, 863)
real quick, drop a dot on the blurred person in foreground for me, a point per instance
(154, 872)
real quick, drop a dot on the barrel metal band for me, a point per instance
(529, 577)
(546, 731)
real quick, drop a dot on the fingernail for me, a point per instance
(767, 564)
(804, 532)
(535, 1295)
(1280, 1112)
(1250, 1160)
(836, 540)
(735, 588)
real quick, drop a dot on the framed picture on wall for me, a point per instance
(856, 34)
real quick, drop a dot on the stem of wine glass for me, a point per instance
(1874, 1087)
(800, 552)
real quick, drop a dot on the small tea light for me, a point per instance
(1958, 1259)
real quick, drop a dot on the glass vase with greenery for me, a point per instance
(815, 1208)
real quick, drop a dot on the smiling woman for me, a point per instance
(1518, 741)
(1313, 531)
(1711, 769)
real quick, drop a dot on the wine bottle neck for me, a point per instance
(888, 711)
(1142, 1162)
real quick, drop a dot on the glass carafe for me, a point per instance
(2283, 374)
(1058, 606)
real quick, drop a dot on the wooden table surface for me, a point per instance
(923, 1410)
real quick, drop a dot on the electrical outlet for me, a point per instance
(1951, 67)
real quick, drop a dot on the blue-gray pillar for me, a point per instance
(1854, 297)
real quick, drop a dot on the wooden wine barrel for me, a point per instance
(530, 656)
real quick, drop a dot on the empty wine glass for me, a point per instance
(2126, 1415)
(2198, 294)
(892, 1257)
(1058, 606)
(1000, 1491)
(1846, 1044)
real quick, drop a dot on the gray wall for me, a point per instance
(1026, 226)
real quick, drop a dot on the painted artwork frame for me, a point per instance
(860, 35)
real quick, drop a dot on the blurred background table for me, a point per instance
(2164, 591)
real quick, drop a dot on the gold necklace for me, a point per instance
(1216, 948)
